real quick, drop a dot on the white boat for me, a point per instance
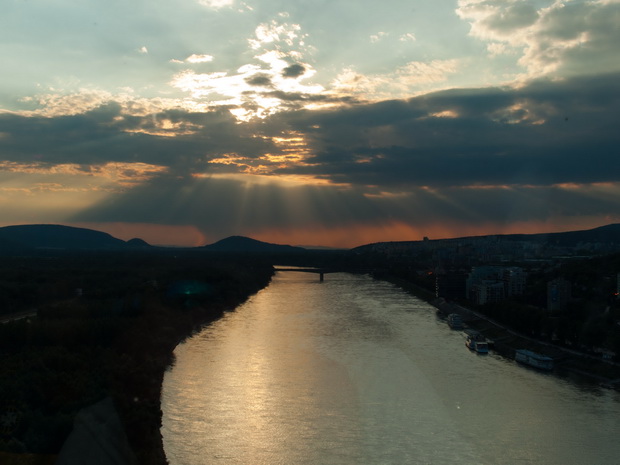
(534, 359)
(476, 341)
(482, 347)
(455, 321)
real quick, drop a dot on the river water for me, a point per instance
(355, 371)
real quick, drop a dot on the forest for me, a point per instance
(106, 326)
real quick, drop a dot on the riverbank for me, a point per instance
(114, 340)
(138, 398)
(568, 363)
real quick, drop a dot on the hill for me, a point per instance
(609, 234)
(603, 234)
(53, 236)
(246, 244)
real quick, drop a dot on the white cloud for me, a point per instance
(378, 36)
(216, 3)
(56, 103)
(497, 48)
(194, 58)
(551, 36)
(250, 91)
(143, 50)
(414, 77)
(267, 33)
(420, 72)
(409, 37)
(201, 85)
(271, 84)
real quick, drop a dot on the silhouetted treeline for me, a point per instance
(107, 325)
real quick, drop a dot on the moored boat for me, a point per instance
(476, 341)
(455, 321)
(534, 359)
(482, 347)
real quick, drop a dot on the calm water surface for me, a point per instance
(355, 371)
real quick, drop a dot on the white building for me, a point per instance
(484, 283)
(514, 279)
(486, 292)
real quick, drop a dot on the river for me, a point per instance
(356, 371)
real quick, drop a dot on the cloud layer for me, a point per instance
(540, 152)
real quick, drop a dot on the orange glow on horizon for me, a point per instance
(344, 237)
(154, 234)
(357, 235)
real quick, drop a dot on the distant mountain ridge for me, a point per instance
(606, 234)
(52, 236)
(246, 244)
(55, 236)
(21, 238)
(603, 234)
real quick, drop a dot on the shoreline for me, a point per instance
(154, 453)
(568, 363)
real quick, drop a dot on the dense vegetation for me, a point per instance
(106, 327)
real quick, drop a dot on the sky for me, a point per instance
(334, 123)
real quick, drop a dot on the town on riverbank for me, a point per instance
(557, 295)
(578, 365)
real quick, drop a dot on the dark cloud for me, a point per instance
(545, 150)
(227, 206)
(259, 80)
(544, 133)
(106, 134)
(222, 207)
(293, 71)
(305, 97)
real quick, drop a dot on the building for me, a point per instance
(484, 283)
(479, 274)
(450, 285)
(558, 294)
(514, 279)
(488, 291)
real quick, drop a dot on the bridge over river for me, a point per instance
(323, 271)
